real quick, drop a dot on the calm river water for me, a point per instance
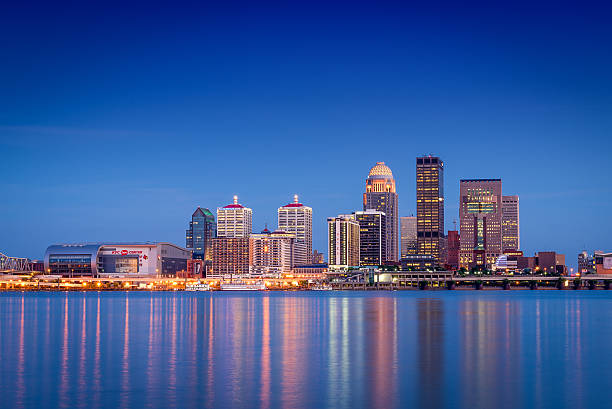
(444, 349)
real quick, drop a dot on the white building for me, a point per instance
(271, 253)
(408, 232)
(297, 219)
(234, 220)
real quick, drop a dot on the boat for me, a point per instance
(322, 287)
(243, 286)
(199, 286)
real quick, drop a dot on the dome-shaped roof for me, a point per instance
(380, 169)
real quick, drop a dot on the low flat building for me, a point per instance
(603, 262)
(116, 259)
(418, 262)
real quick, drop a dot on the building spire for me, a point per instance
(295, 199)
(235, 199)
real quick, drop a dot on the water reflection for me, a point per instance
(430, 318)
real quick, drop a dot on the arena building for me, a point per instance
(116, 259)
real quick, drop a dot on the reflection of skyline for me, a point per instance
(430, 333)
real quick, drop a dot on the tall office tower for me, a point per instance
(230, 256)
(343, 241)
(408, 231)
(372, 237)
(234, 220)
(271, 252)
(380, 195)
(452, 255)
(202, 229)
(430, 207)
(297, 219)
(480, 213)
(511, 235)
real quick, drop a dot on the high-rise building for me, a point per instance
(372, 237)
(230, 256)
(297, 219)
(511, 238)
(271, 252)
(202, 229)
(408, 230)
(318, 258)
(586, 263)
(234, 220)
(343, 241)
(380, 195)
(430, 207)
(480, 211)
(452, 254)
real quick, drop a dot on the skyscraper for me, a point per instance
(408, 231)
(234, 220)
(480, 214)
(297, 219)
(343, 241)
(231, 256)
(372, 237)
(271, 252)
(511, 236)
(380, 195)
(202, 229)
(430, 207)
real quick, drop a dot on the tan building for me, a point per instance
(234, 220)
(343, 241)
(230, 256)
(380, 195)
(511, 238)
(297, 219)
(430, 207)
(408, 230)
(271, 252)
(480, 217)
(603, 262)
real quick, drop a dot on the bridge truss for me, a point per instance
(14, 264)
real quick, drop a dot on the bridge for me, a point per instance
(11, 265)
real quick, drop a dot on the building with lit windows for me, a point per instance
(116, 259)
(511, 238)
(480, 211)
(430, 207)
(372, 237)
(408, 231)
(603, 262)
(230, 257)
(202, 229)
(234, 220)
(586, 263)
(271, 253)
(343, 240)
(381, 195)
(453, 246)
(297, 219)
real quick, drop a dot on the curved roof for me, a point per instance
(380, 169)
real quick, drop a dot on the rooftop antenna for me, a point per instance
(455, 224)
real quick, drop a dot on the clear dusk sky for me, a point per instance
(117, 120)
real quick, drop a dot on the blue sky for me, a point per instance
(116, 121)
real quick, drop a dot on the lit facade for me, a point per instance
(511, 238)
(430, 207)
(453, 246)
(408, 230)
(372, 237)
(480, 222)
(297, 219)
(230, 256)
(234, 220)
(381, 195)
(202, 229)
(271, 253)
(343, 240)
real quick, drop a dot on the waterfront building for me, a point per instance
(603, 262)
(116, 259)
(511, 238)
(418, 262)
(453, 245)
(551, 262)
(271, 252)
(408, 231)
(480, 222)
(234, 220)
(297, 219)
(430, 207)
(586, 263)
(318, 258)
(381, 195)
(198, 238)
(343, 241)
(230, 256)
(372, 237)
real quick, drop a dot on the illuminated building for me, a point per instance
(586, 263)
(234, 220)
(343, 241)
(372, 237)
(198, 237)
(380, 195)
(116, 259)
(511, 239)
(271, 252)
(480, 210)
(430, 207)
(453, 245)
(317, 258)
(603, 262)
(297, 219)
(408, 231)
(230, 256)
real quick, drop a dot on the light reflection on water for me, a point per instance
(338, 350)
